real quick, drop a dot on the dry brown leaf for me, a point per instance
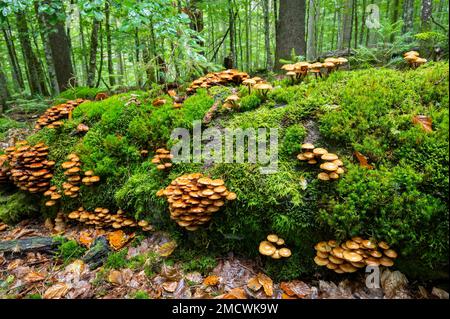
(363, 160)
(77, 267)
(3, 227)
(267, 284)
(117, 239)
(170, 286)
(424, 121)
(235, 293)
(296, 288)
(254, 284)
(211, 281)
(34, 276)
(85, 239)
(57, 291)
(115, 277)
(286, 296)
(166, 249)
(14, 264)
(158, 102)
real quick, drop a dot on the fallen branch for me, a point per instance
(42, 244)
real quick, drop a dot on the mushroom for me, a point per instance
(263, 88)
(272, 238)
(266, 248)
(308, 147)
(233, 100)
(285, 252)
(329, 167)
(292, 75)
(249, 83)
(329, 157)
(323, 176)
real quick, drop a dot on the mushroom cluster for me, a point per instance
(230, 76)
(4, 169)
(300, 70)
(272, 247)
(53, 116)
(103, 218)
(193, 199)
(54, 195)
(353, 254)
(331, 165)
(232, 102)
(60, 224)
(73, 173)
(413, 58)
(163, 159)
(29, 168)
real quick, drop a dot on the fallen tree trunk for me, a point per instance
(41, 244)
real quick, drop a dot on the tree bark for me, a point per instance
(44, 31)
(231, 25)
(12, 55)
(311, 50)
(36, 79)
(93, 53)
(347, 25)
(394, 17)
(267, 35)
(291, 30)
(31, 244)
(112, 81)
(4, 92)
(427, 7)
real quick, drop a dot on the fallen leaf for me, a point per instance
(363, 160)
(85, 239)
(158, 102)
(14, 264)
(296, 288)
(170, 286)
(211, 281)
(267, 284)
(254, 284)
(115, 277)
(440, 293)
(34, 276)
(117, 239)
(57, 291)
(166, 249)
(77, 267)
(235, 293)
(424, 121)
(3, 227)
(286, 296)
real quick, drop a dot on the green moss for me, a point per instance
(69, 250)
(140, 294)
(117, 260)
(403, 200)
(16, 206)
(79, 92)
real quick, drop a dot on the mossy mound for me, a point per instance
(403, 200)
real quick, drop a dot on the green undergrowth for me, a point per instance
(403, 199)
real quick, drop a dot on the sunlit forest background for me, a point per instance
(48, 46)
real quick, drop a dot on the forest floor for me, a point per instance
(44, 275)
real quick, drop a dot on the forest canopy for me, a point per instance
(51, 45)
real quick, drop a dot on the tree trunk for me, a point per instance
(44, 30)
(408, 16)
(85, 67)
(291, 30)
(112, 81)
(347, 25)
(311, 50)
(394, 17)
(363, 22)
(137, 44)
(231, 25)
(36, 79)
(4, 93)
(248, 27)
(12, 55)
(427, 7)
(267, 35)
(93, 53)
